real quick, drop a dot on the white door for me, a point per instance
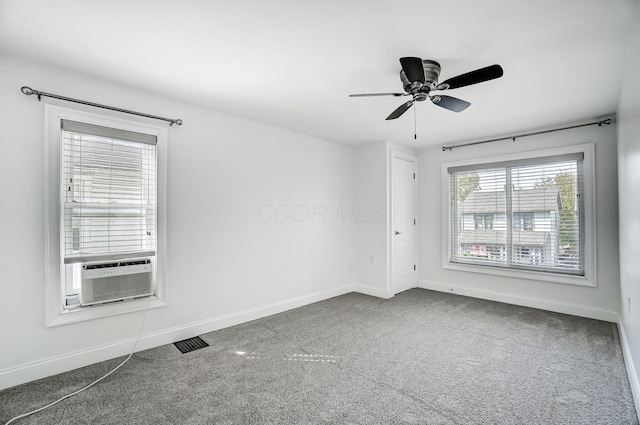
(403, 226)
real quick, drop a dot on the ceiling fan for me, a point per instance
(420, 77)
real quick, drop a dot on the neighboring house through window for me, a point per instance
(546, 205)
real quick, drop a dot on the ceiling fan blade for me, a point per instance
(413, 69)
(400, 110)
(473, 77)
(451, 103)
(378, 94)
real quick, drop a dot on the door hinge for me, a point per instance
(414, 267)
(414, 176)
(414, 221)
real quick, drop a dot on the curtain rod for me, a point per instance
(29, 91)
(513, 138)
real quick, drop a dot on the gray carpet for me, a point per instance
(422, 357)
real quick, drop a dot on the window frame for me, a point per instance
(55, 314)
(590, 271)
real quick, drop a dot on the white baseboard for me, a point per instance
(632, 372)
(69, 361)
(374, 292)
(542, 304)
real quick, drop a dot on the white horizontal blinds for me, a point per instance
(547, 233)
(479, 217)
(110, 193)
(537, 213)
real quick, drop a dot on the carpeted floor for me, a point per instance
(422, 357)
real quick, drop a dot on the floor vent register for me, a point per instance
(191, 344)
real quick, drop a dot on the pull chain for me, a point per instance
(415, 131)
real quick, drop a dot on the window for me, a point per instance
(531, 213)
(483, 221)
(523, 221)
(105, 218)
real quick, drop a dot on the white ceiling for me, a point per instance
(293, 63)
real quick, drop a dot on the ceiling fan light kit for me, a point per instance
(420, 76)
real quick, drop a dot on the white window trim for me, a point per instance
(55, 315)
(590, 276)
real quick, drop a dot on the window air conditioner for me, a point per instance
(116, 281)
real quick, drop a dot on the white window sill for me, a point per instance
(106, 310)
(523, 274)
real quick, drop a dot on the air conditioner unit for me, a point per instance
(116, 281)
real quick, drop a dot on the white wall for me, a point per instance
(629, 193)
(601, 302)
(230, 258)
(371, 231)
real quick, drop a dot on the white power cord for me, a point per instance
(144, 318)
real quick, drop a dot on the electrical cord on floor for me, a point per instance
(144, 318)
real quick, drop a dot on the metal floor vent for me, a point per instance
(191, 344)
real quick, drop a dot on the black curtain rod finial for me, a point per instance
(27, 90)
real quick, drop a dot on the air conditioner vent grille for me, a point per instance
(116, 281)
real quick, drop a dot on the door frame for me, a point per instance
(393, 154)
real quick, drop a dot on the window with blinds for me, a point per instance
(525, 214)
(109, 200)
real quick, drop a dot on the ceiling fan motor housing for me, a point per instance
(431, 74)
